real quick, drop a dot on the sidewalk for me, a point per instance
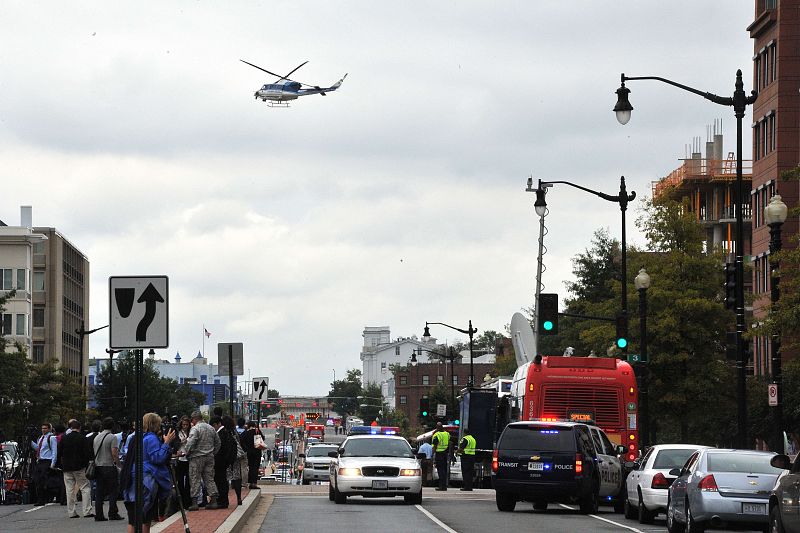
(228, 520)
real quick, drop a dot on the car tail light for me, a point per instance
(578, 463)
(659, 482)
(495, 466)
(708, 484)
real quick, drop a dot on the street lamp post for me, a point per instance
(426, 337)
(775, 215)
(111, 352)
(623, 198)
(642, 283)
(739, 101)
(82, 332)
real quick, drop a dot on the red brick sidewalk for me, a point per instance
(203, 521)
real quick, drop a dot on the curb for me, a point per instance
(237, 518)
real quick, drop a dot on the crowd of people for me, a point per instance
(97, 464)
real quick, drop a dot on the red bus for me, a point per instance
(602, 390)
(316, 431)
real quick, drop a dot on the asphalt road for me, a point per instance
(450, 512)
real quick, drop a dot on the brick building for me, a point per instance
(415, 382)
(776, 142)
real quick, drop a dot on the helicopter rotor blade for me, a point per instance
(265, 70)
(295, 69)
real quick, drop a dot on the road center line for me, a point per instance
(436, 520)
(605, 520)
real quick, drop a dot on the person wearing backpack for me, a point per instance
(224, 458)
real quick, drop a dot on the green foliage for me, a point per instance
(370, 402)
(115, 394)
(344, 393)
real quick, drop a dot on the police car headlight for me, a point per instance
(349, 471)
(410, 472)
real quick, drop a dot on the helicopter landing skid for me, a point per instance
(273, 103)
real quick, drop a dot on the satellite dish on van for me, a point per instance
(522, 338)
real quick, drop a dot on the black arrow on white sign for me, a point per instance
(150, 296)
(262, 389)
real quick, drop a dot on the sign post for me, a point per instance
(230, 358)
(138, 319)
(441, 409)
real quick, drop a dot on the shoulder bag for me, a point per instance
(90, 469)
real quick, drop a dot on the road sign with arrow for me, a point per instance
(138, 311)
(260, 388)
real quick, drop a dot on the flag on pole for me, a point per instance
(208, 333)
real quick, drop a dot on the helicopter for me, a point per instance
(284, 89)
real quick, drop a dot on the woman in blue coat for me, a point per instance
(157, 482)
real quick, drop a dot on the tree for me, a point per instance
(344, 393)
(370, 403)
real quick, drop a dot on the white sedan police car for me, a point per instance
(375, 466)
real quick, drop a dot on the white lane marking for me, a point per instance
(38, 507)
(436, 520)
(605, 520)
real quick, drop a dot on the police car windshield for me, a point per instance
(373, 447)
(319, 451)
(538, 438)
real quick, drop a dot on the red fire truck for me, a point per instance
(598, 389)
(316, 430)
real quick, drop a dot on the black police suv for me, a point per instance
(543, 462)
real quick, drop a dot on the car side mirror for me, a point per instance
(620, 449)
(333, 454)
(421, 456)
(781, 461)
(675, 472)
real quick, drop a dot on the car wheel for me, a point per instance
(540, 506)
(330, 492)
(630, 511)
(338, 497)
(672, 525)
(644, 516)
(692, 525)
(775, 524)
(588, 503)
(505, 502)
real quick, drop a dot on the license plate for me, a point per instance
(754, 508)
(536, 466)
(380, 484)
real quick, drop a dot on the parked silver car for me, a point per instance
(317, 463)
(721, 486)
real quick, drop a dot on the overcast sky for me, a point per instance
(131, 127)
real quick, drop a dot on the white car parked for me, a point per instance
(647, 484)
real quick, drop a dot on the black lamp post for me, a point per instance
(82, 332)
(775, 215)
(426, 337)
(739, 101)
(642, 283)
(111, 352)
(622, 199)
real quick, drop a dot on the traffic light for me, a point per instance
(424, 407)
(730, 285)
(457, 422)
(547, 313)
(622, 331)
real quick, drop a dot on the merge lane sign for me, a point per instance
(260, 388)
(138, 311)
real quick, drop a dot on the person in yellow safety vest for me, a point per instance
(441, 445)
(466, 449)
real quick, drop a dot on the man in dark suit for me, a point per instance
(75, 454)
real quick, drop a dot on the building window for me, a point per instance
(38, 247)
(440, 379)
(403, 399)
(6, 323)
(397, 350)
(38, 280)
(38, 316)
(38, 353)
(7, 279)
(455, 380)
(22, 276)
(426, 380)
(403, 380)
(22, 328)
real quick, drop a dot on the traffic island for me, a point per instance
(228, 520)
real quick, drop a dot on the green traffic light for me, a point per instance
(622, 342)
(457, 422)
(424, 413)
(547, 325)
